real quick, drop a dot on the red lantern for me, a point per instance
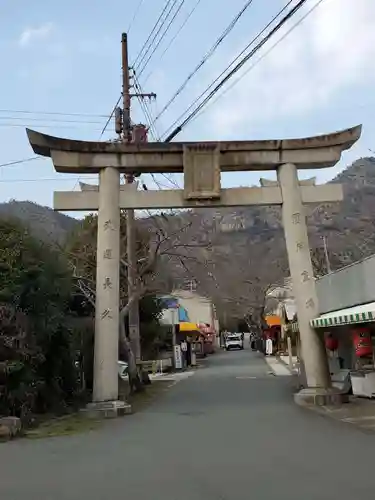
(332, 344)
(362, 342)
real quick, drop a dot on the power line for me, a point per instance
(24, 160)
(162, 36)
(207, 56)
(173, 3)
(237, 68)
(67, 179)
(150, 35)
(174, 38)
(229, 65)
(149, 119)
(263, 56)
(134, 16)
(43, 125)
(54, 120)
(27, 111)
(154, 39)
(171, 180)
(110, 117)
(158, 183)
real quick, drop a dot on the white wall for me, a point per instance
(198, 308)
(168, 317)
(347, 287)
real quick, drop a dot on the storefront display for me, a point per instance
(362, 342)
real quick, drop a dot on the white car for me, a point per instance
(122, 369)
(234, 341)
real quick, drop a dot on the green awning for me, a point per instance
(364, 313)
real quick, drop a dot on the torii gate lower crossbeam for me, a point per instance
(88, 199)
(201, 164)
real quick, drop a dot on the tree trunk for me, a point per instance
(125, 347)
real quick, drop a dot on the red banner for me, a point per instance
(362, 342)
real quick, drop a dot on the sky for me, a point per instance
(65, 57)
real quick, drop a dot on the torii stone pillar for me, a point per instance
(107, 287)
(301, 270)
(107, 304)
(201, 164)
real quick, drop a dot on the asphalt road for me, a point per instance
(231, 431)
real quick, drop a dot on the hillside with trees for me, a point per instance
(232, 254)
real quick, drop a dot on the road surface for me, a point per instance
(230, 432)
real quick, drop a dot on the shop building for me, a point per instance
(346, 325)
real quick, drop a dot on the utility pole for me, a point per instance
(175, 347)
(125, 89)
(131, 243)
(123, 124)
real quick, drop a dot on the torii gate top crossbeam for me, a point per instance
(70, 156)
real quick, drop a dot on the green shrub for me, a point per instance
(37, 344)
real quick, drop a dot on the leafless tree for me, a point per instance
(241, 271)
(154, 247)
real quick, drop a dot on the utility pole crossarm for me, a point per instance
(150, 95)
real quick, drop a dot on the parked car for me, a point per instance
(122, 369)
(234, 341)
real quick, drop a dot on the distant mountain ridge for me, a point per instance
(43, 222)
(348, 226)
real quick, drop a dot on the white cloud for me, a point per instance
(29, 35)
(333, 50)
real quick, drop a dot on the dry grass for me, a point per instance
(142, 400)
(78, 423)
(64, 426)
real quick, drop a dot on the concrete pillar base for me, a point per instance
(107, 409)
(320, 397)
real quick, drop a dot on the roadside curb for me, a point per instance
(277, 367)
(173, 377)
(362, 422)
(293, 372)
(270, 368)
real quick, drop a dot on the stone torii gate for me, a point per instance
(201, 164)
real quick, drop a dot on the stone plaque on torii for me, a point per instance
(201, 164)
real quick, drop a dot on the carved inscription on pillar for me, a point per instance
(310, 303)
(201, 171)
(108, 225)
(107, 283)
(296, 218)
(107, 254)
(305, 276)
(106, 314)
(299, 246)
